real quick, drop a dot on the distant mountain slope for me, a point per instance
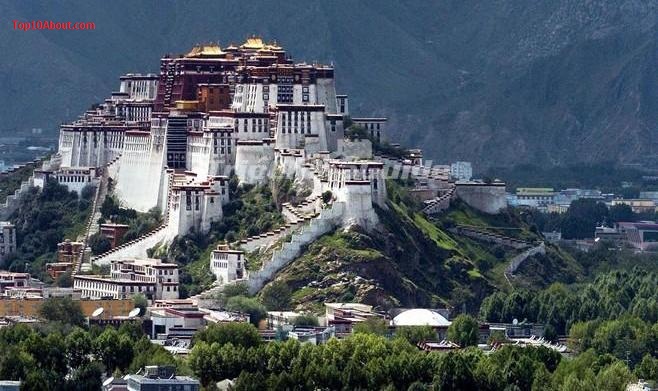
(497, 82)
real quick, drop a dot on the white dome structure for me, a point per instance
(420, 317)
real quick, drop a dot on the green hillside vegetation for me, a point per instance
(43, 219)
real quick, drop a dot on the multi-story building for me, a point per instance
(151, 277)
(227, 265)
(535, 197)
(642, 235)
(637, 205)
(7, 240)
(68, 251)
(461, 171)
(76, 179)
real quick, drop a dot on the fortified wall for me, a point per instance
(486, 197)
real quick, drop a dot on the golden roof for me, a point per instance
(211, 49)
(253, 42)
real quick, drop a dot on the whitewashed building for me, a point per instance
(227, 265)
(151, 277)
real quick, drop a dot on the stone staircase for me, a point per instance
(92, 226)
(302, 233)
(296, 217)
(322, 223)
(137, 247)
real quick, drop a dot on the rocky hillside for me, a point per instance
(497, 82)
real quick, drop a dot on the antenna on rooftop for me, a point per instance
(97, 312)
(134, 312)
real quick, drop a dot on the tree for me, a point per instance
(415, 334)
(372, 325)
(248, 381)
(621, 212)
(86, 377)
(305, 320)
(614, 377)
(582, 217)
(78, 348)
(454, 373)
(277, 296)
(647, 368)
(114, 349)
(88, 192)
(62, 309)
(64, 280)
(464, 330)
(248, 305)
(99, 243)
(201, 362)
(239, 334)
(140, 301)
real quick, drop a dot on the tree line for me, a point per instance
(370, 361)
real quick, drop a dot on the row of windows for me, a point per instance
(9, 234)
(76, 178)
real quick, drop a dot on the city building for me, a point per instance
(175, 320)
(461, 171)
(376, 127)
(535, 197)
(641, 235)
(170, 141)
(343, 316)
(14, 280)
(151, 277)
(637, 205)
(10, 385)
(158, 378)
(76, 179)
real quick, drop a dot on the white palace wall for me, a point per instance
(92, 148)
(254, 161)
(140, 171)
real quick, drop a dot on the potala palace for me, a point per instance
(173, 140)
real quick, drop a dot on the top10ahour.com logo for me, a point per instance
(52, 25)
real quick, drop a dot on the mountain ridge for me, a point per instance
(498, 83)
